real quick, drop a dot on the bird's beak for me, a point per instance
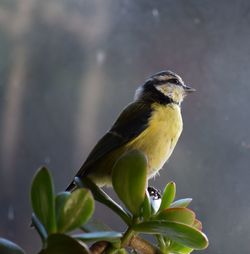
(189, 89)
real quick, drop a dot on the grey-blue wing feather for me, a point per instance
(132, 121)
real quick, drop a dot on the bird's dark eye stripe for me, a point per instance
(164, 81)
(160, 82)
(174, 81)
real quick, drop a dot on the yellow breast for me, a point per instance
(159, 139)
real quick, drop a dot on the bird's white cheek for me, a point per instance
(166, 90)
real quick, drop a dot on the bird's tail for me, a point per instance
(81, 173)
(72, 187)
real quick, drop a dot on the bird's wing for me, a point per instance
(131, 122)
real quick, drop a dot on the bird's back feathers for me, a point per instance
(132, 121)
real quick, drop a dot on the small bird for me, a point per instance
(152, 123)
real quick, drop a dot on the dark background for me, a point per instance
(67, 68)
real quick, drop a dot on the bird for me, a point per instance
(152, 124)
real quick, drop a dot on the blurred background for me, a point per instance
(67, 68)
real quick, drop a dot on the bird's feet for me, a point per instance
(154, 193)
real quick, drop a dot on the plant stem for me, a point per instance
(103, 198)
(140, 245)
(126, 237)
(143, 246)
(162, 243)
(129, 233)
(39, 228)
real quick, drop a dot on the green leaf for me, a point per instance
(197, 224)
(110, 236)
(63, 244)
(42, 199)
(8, 247)
(146, 207)
(76, 209)
(178, 232)
(39, 228)
(181, 202)
(168, 196)
(95, 225)
(182, 215)
(177, 248)
(129, 179)
(120, 251)
(60, 202)
(103, 198)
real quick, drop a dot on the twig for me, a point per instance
(99, 247)
(140, 245)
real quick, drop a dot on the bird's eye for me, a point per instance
(174, 81)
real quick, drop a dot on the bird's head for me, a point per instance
(164, 87)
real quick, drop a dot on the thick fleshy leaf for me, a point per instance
(42, 199)
(168, 196)
(181, 202)
(146, 207)
(8, 247)
(178, 232)
(120, 251)
(197, 224)
(60, 202)
(94, 225)
(39, 228)
(177, 248)
(78, 207)
(182, 215)
(103, 198)
(129, 179)
(63, 244)
(110, 236)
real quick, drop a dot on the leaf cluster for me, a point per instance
(174, 226)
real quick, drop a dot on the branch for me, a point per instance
(99, 247)
(140, 245)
